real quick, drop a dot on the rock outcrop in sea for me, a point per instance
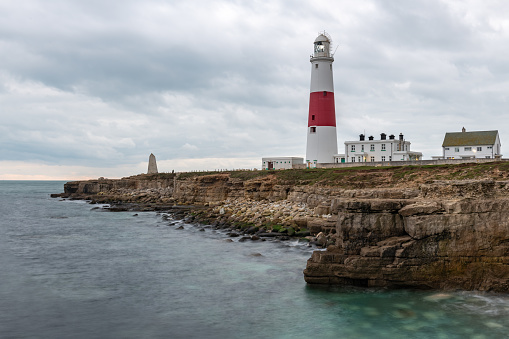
(445, 227)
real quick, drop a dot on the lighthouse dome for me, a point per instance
(322, 38)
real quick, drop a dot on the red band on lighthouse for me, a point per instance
(321, 109)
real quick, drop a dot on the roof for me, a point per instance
(470, 138)
(322, 37)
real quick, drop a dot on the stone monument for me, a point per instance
(152, 166)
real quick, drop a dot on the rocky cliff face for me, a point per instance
(426, 234)
(448, 234)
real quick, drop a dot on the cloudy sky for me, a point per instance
(91, 88)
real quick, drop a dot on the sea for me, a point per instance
(70, 269)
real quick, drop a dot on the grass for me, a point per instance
(365, 177)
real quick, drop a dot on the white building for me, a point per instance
(322, 142)
(277, 163)
(471, 145)
(371, 150)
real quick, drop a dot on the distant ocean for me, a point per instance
(71, 271)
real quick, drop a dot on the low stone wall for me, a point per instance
(406, 163)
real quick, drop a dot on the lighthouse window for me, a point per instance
(324, 93)
(316, 65)
(313, 117)
(312, 129)
(319, 47)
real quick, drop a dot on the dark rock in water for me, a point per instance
(117, 209)
(244, 239)
(165, 216)
(228, 240)
(252, 230)
(256, 255)
(285, 238)
(135, 215)
(233, 234)
(202, 230)
(95, 208)
(255, 237)
(270, 235)
(180, 228)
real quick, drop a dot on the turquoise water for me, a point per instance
(71, 271)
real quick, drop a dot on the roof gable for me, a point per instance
(470, 138)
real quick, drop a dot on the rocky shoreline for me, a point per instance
(380, 228)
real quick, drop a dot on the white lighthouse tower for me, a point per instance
(322, 143)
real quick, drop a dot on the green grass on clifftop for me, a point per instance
(366, 177)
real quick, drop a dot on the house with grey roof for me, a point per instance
(471, 145)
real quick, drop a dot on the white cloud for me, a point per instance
(220, 79)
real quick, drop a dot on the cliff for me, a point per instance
(437, 227)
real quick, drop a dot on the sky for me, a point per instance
(91, 88)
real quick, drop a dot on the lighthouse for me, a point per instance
(322, 143)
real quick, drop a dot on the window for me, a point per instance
(316, 65)
(372, 159)
(468, 149)
(383, 157)
(383, 147)
(312, 129)
(353, 159)
(353, 148)
(372, 149)
(479, 149)
(490, 147)
(362, 148)
(390, 158)
(447, 148)
(324, 93)
(360, 159)
(487, 157)
(456, 149)
(313, 117)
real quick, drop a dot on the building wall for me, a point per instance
(321, 144)
(321, 75)
(282, 162)
(376, 150)
(479, 152)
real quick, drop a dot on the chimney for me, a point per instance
(401, 136)
(371, 137)
(361, 137)
(391, 137)
(383, 136)
(463, 130)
